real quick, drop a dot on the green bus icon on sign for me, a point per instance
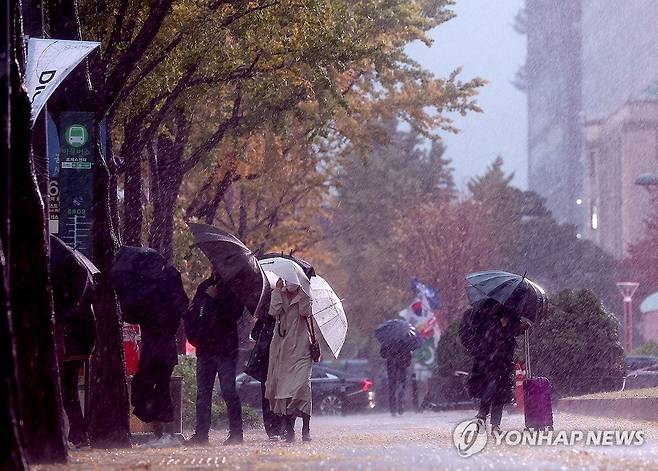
(76, 135)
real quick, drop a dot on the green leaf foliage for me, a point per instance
(577, 345)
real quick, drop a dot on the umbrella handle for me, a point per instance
(279, 330)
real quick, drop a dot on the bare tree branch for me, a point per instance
(115, 35)
(217, 136)
(129, 88)
(119, 76)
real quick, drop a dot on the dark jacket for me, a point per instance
(396, 353)
(158, 331)
(211, 324)
(492, 373)
(77, 325)
(73, 295)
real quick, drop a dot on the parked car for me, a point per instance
(637, 362)
(642, 378)
(353, 366)
(334, 392)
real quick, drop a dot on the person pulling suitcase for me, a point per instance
(488, 332)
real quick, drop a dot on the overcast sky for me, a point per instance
(482, 40)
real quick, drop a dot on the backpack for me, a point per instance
(196, 321)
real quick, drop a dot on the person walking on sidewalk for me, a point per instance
(212, 327)
(288, 386)
(150, 387)
(488, 333)
(398, 360)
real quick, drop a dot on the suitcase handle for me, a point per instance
(526, 341)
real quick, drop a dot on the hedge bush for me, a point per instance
(187, 369)
(451, 356)
(647, 348)
(577, 345)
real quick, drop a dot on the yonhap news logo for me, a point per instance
(470, 437)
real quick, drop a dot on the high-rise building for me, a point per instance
(553, 84)
(591, 76)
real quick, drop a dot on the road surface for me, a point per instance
(381, 442)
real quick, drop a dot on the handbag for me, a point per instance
(258, 362)
(315, 346)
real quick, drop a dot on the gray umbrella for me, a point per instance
(515, 292)
(234, 262)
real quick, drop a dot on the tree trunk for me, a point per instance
(168, 174)
(133, 218)
(114, 183)
(109, 407)
(30, 293)
(11, 448)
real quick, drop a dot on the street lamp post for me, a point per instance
(627, 290)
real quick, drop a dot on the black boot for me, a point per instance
(306, 428)
(198, 439)
(289, 433)
(234, 438)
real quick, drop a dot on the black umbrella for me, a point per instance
(516, 293)
(235, 263)
(308, 269)
(139, 279)
(397, 331)
(71, 272)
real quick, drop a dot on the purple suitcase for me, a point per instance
(537, 404)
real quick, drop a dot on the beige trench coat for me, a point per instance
(288, 385)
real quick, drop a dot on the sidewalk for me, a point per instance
(636, 404)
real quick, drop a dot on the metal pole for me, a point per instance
(627, 289)
(628, 307)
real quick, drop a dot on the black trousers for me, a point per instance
(69, 372)
(151, 393)
(496, 411)
(397, 383)
(208, 367)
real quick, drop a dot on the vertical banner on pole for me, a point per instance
(76, 163)
(53, 148)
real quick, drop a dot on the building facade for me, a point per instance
(592, 78)
(617, 150)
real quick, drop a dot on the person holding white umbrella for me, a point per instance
(316, 304)
(288, 386)
(327, 308)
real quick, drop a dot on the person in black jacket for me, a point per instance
(488, 332)
(77, 327)
(398, 360)
(150, 386)
(212, 327)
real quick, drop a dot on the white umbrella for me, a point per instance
(272, 278)
(290, 271)
(329, 314)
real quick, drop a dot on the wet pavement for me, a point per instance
(381, 442)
